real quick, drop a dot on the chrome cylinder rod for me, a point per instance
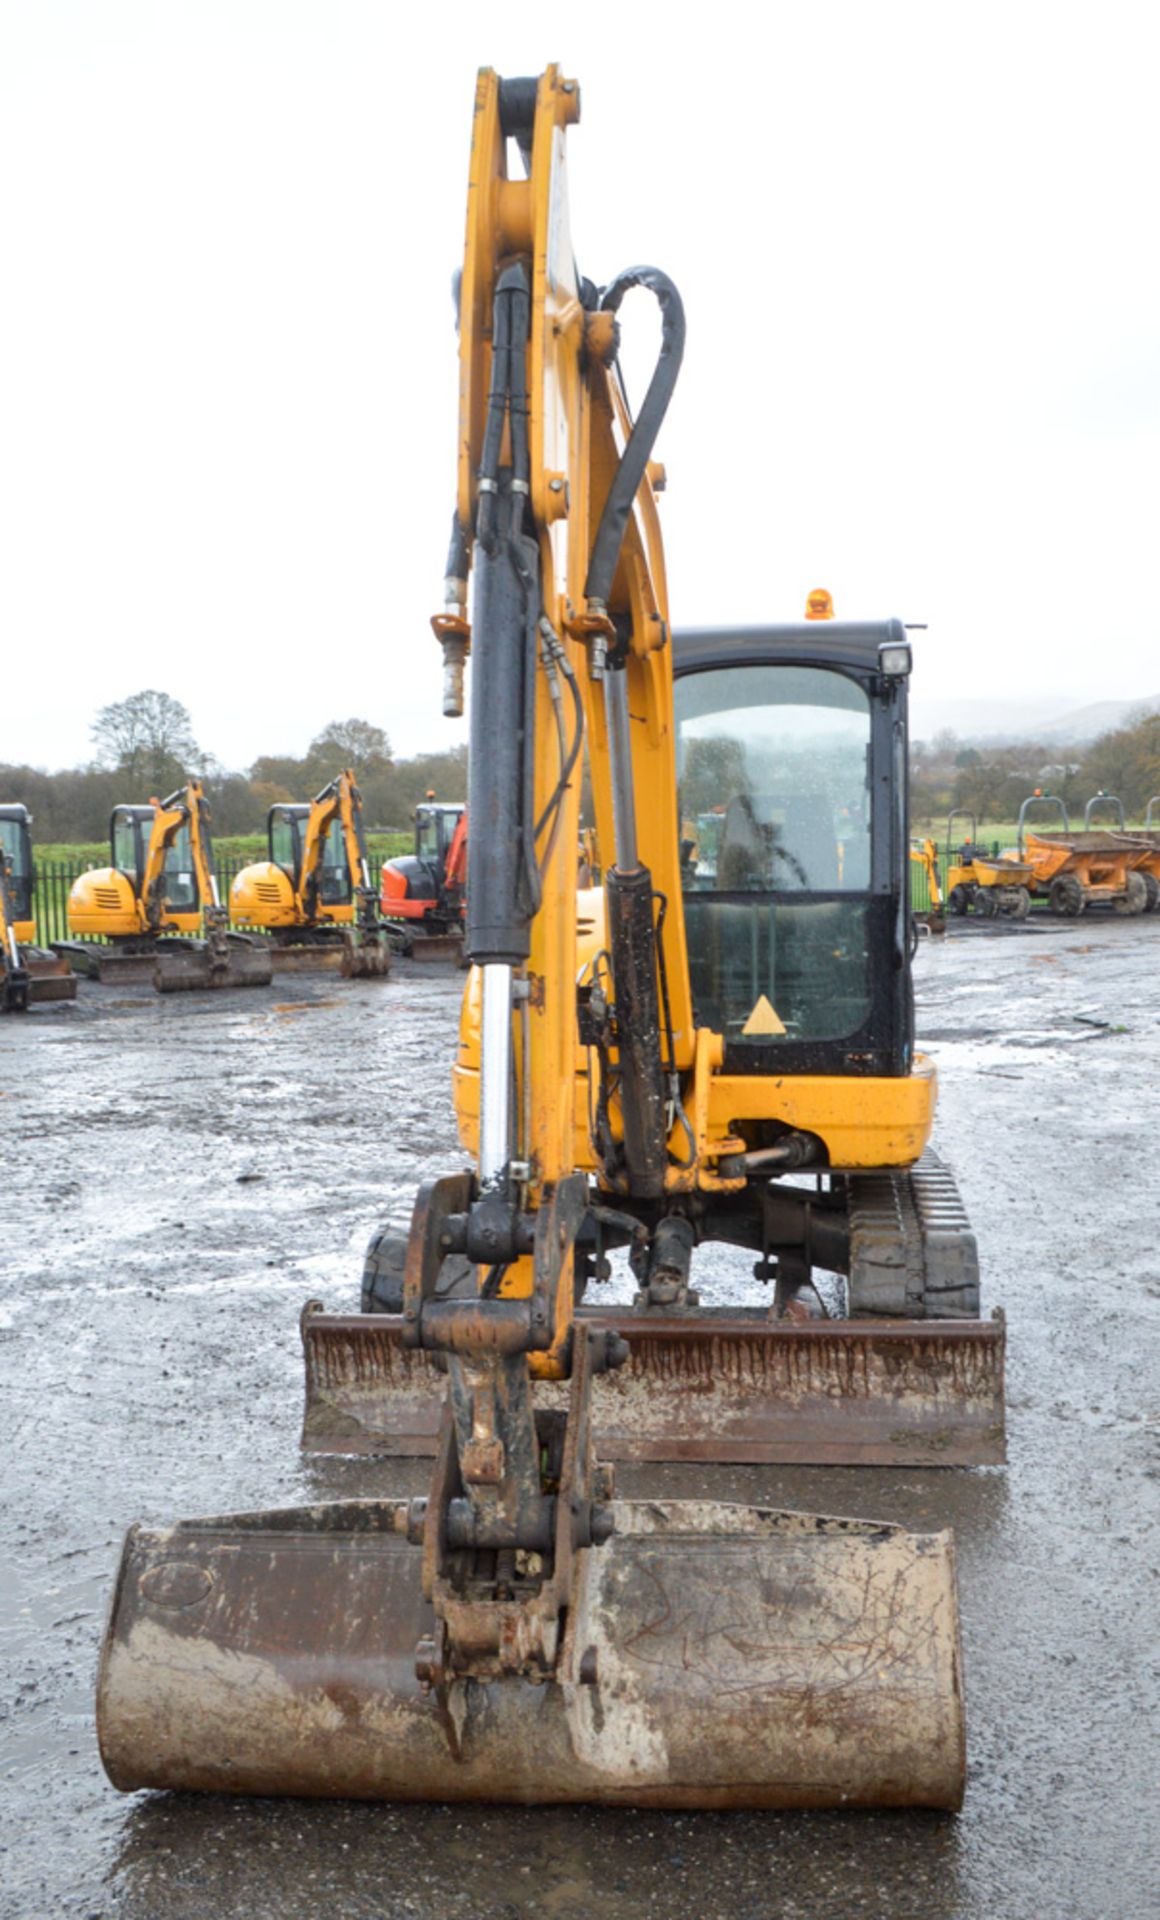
(620, 758)
(495, 1069)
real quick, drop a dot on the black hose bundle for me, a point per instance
(613, 521)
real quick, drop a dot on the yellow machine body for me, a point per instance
(864, 1122)
(263, 896)
(103, 901)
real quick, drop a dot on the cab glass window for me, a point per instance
(334, 886)
(181, 894)
(284, 844)
(14, 842)
(774, 802)
(128, 846)
(427, 836)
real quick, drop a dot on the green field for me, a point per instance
(997, 834)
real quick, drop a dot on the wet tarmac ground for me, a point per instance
(179, 1174)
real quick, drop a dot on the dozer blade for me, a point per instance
(118, 969)
(49, 976)
(710, 1385)
(714, 1656)
(200, 968)
(438, 946)
(306, 959)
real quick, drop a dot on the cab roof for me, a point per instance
(852, 644)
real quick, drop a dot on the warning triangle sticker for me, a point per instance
(763, 1019)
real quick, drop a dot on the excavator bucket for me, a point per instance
(714, 1656)
(239, 963)
(365, 955)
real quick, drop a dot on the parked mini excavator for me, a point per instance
(313, 898)
(644, 1067)
(151, 903)
(32, 974)
(924, 854)
(424, 891)
(14, 981)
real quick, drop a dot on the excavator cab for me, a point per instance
(16, 851)
(434, 831)
(422, 874)
(797, 910)
(425, 889)
(286, 836)
(129, 831)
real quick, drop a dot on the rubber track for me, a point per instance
(912, 1251)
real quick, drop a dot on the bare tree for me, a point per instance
(147, 738)
(352, 743)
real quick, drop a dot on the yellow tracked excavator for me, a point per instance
(29, 974)
(15, 985)
(709, 1051)
(924, 854)
(313, 899)
(152, 903)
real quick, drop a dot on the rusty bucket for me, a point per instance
(714, 1656)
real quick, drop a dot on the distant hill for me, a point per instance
(996, 722)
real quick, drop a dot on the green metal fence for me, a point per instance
(53, 881)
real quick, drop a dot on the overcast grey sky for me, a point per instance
(917, 246)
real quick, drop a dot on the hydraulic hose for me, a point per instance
(628, 887)
(613, 521)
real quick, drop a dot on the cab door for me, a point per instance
(128, 838)
(791, 902)
(284, 835)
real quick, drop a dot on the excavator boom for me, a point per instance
(220, 958)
